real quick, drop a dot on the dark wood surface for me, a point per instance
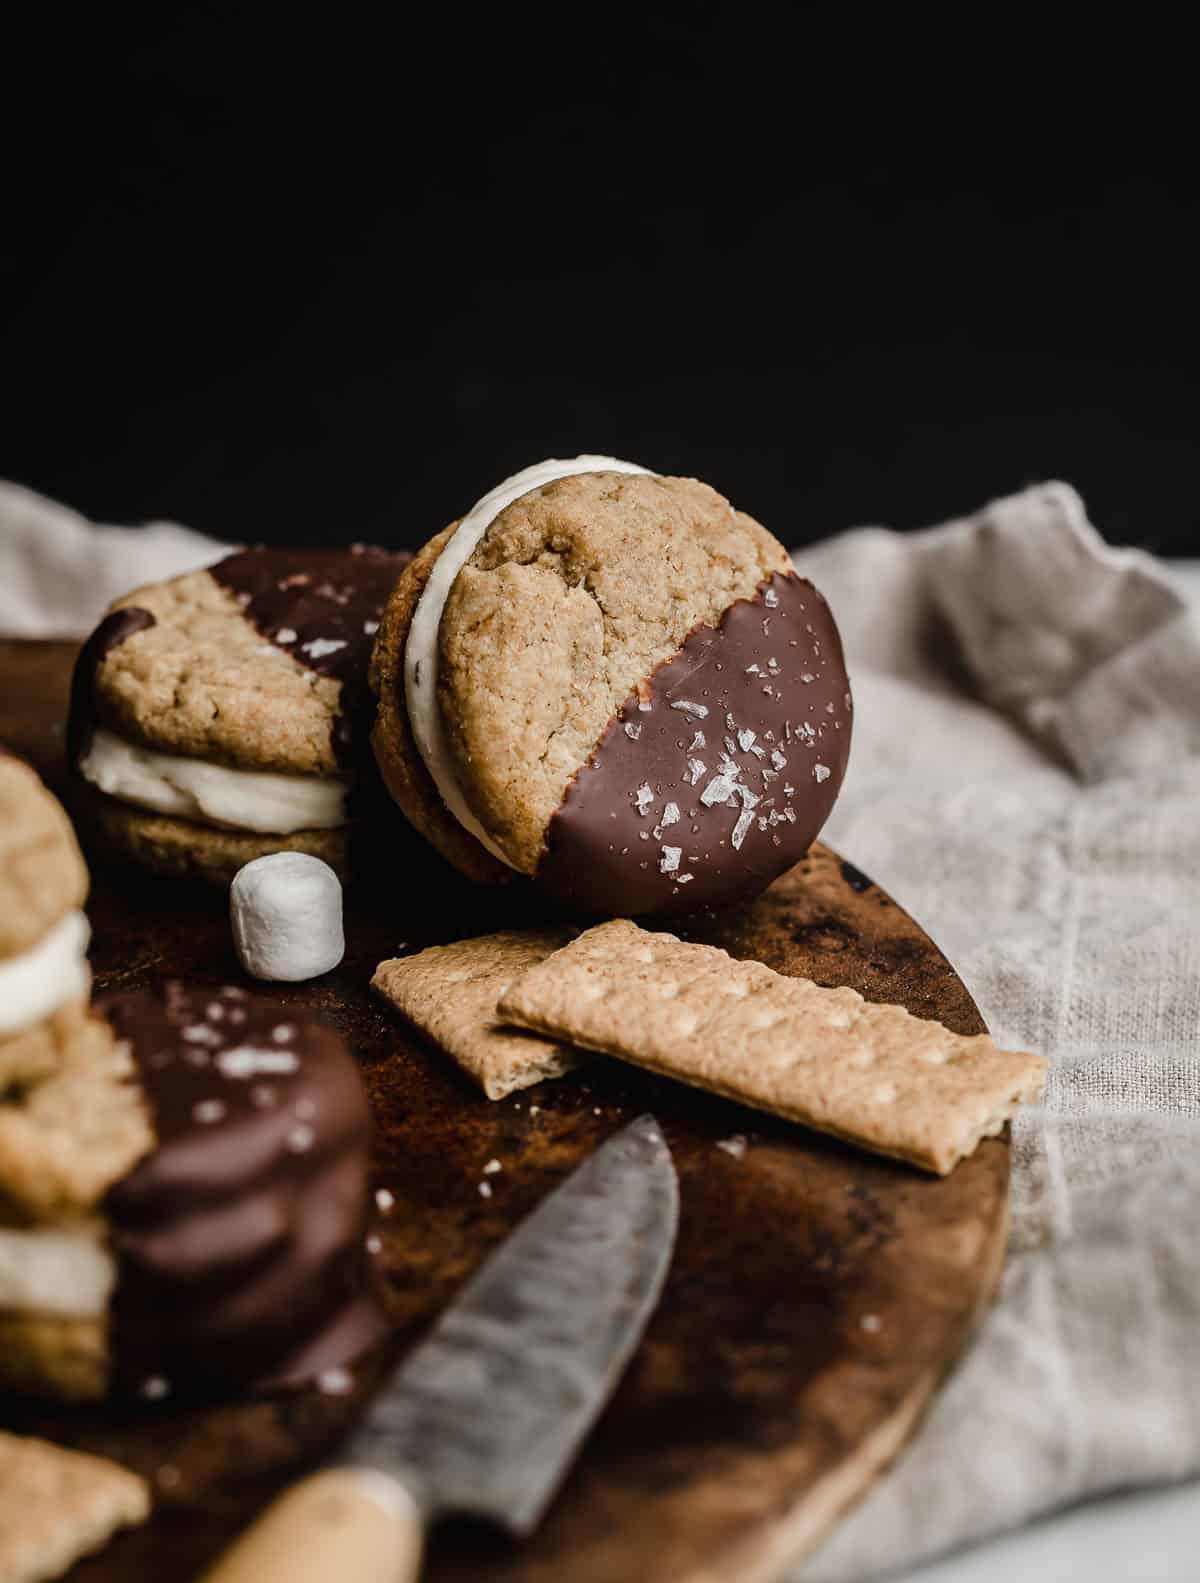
(816, 1296)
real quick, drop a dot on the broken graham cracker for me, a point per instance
(58, 1505)
(872, 1075)
(450, 993)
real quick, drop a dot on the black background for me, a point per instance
(326, 279)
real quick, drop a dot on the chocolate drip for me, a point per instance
(240, 1239)
(323, 607)
(81, 715)
(661, 820)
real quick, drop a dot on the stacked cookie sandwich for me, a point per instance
(183, 1203)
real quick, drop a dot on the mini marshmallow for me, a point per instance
(286, 914)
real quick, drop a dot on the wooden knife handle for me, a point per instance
(343, 1523)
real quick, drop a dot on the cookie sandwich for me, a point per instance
(184, 1203)
(224, 714)
(614, 684)
(44, 977)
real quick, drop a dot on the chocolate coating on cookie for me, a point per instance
(718, 773)
(323, 607)
(112, 631)
(240, 1239)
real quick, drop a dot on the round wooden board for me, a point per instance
(816, 1297)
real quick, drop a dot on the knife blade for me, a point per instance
(486, 1415)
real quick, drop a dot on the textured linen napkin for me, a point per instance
(1025, 778)
(59, 572)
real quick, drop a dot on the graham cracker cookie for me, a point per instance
(65, 1356)
(67, 1134)
(873, 1075)
(58, 1505)
(450, 993)
(257, 662)
(183, 848)
(42, 874)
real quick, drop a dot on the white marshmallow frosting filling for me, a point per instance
(47, 976)
(260, 800)
(421, 650)
(65, 1271)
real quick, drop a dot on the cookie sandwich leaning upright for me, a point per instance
(615, 684)
(224, 714)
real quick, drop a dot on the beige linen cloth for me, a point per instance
(1025, 778)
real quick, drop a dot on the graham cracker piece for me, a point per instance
(66, 1136)
(450, 993)
(873, 1075)
(58, 1505)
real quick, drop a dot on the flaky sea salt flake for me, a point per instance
(319, 648)
(668, 861)
(335, 1382)
(821, 772)
(719, 789)
(688, 708)
(247, 1060)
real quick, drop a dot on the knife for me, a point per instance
(486, 1415)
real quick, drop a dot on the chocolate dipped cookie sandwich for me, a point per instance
(184, 1202)
(44, 977)
(224, 715)
(614, 684)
